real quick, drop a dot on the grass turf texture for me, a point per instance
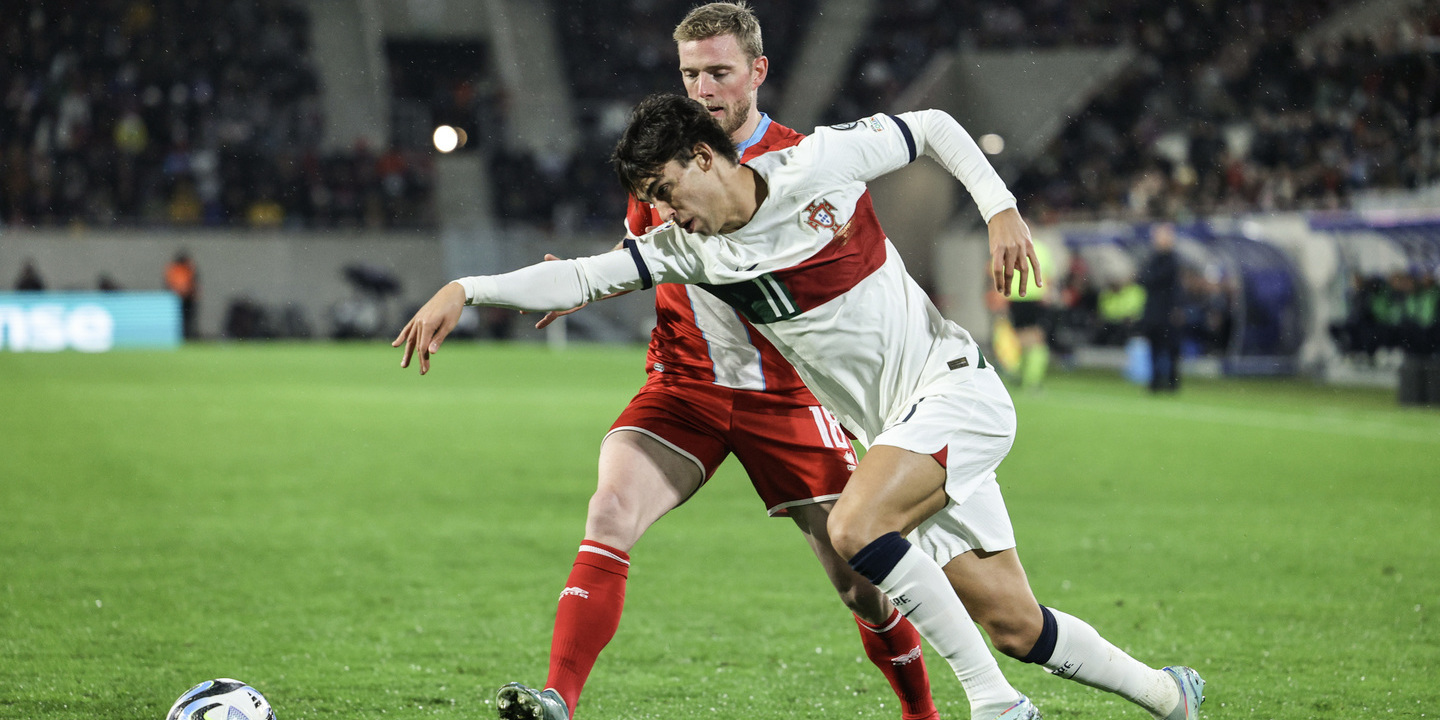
(360, 542)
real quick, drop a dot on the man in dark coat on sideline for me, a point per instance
(1161, 321)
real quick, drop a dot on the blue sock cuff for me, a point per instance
(1045, 646)
(876, 560)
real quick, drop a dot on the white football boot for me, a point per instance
(518, 702)
(1023, 709)
(1192, 693)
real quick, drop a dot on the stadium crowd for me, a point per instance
(180, 112)
(1261, 122)
(1228, 108)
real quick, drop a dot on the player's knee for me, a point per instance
(1011, 631)
(613, 518)
(849, 532)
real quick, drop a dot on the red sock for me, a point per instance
(587, 616)
(895, 648)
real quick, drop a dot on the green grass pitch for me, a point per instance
(361, 542)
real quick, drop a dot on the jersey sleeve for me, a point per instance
(559, 284)
(668, 254)
(857, 151)
(939, 136)
(866, 149)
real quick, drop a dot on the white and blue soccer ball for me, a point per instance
(221, 699)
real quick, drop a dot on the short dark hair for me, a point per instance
(665, 127)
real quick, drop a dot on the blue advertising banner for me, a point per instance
(88, 322)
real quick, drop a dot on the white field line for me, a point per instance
(1425, 429)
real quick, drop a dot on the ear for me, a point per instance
(703, 157)
(759, 70)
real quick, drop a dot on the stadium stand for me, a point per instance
(199, 115)
(181, 113)
(1229, 107)
(1261, 122)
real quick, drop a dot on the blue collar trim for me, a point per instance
(755, 136)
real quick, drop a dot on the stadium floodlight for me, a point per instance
(446, 138)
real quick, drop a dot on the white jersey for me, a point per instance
(813, 271)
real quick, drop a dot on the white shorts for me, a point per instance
(981, 522)
(973, 424)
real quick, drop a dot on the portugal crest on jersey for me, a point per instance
(820, 214)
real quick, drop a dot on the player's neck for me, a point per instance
(744, 132)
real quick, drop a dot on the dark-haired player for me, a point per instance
(714, 388)
(790, 241)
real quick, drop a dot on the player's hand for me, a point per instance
(1011, 251)
(431, 325)
(554, 315)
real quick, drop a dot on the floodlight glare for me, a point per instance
(446, 139)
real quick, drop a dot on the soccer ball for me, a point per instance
(222, 699)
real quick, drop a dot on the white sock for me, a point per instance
(922, 593)
(1085, 657)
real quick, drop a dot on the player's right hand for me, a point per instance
(1011, 250)
(431, 325)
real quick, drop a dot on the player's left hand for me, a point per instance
(1011, 251)
(431, 325)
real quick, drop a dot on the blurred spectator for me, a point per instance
(1119, 307)
(183, 279)
(1161, 319)
(1030, 316)
(30, 279)
(1205, 310)
(1421, 329)
(1397, 312)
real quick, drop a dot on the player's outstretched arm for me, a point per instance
(1012, 251)
(431, 325)
(554, 315)
(540, 287)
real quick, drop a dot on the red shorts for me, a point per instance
(794, 450)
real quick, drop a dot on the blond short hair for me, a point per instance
(723, 18)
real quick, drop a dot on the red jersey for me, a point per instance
(696, 335)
